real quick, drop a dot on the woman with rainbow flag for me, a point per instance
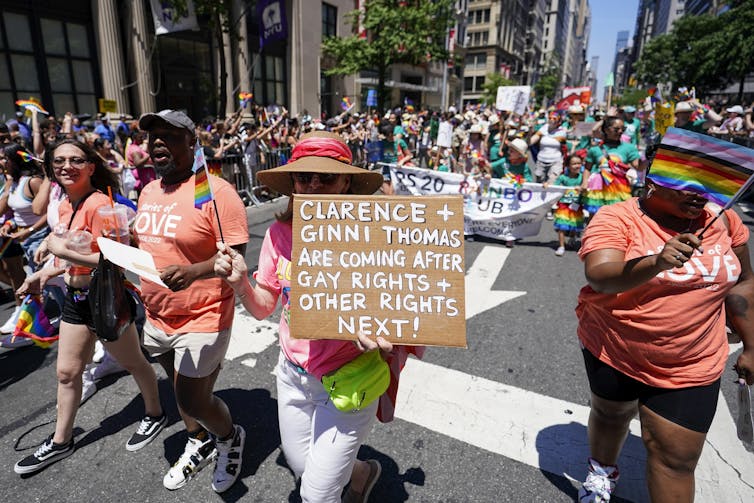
(84, 177)
(664, 272)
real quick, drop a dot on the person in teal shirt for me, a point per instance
(569, 214)
(632, 125)
(609, 165)
(515, 163)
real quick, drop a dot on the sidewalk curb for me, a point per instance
(266, 211)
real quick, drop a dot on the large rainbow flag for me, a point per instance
(202, 188)
(717, 170)
(33, 323)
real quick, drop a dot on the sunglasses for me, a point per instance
(324, 178)
(75, 162)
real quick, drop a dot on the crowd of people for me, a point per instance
(61, 173)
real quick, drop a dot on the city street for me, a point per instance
(501, 421)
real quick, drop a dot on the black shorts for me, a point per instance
(692, 407)
(76, 310)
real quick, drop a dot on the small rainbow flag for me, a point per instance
(27, 157)
(244, 99)
(33, 323)
(655, 96)
(717, 170)
(345, 103)
(202, 188)
(31, 105)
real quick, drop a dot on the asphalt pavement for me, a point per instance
(500, 421)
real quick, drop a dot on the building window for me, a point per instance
(473, 84)
(476, 61)
(478, 38)
(274, 79)
(479, 16)
(67, 60)
(329, 20)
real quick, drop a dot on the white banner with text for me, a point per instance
(494, 208)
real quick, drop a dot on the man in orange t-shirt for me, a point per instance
(188, 324)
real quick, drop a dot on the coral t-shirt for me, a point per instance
(317, 357)
(169, 227)
(85, 219)
(670, 331)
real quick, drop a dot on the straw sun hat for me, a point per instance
(320, 152)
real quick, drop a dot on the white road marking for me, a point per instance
(479, 280)
(550, 434)
(250, 336)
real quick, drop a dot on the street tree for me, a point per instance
(491, 82)
(397, 31)
(706, 52)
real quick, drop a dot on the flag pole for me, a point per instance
(201, 163)
(730, 203)
(217, 217)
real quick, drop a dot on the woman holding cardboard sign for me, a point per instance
(320, 429)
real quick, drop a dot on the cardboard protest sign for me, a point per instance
(513, 98)
(388, 266)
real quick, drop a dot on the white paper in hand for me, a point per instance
(132, 259)
(744, 424)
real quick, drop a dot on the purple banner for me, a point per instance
(272, 24)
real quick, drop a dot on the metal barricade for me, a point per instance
(254, 163)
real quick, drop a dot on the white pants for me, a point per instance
(320, 442)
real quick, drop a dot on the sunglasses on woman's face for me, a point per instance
(324, 178)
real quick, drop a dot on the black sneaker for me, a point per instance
(148, 429)
(47, 453)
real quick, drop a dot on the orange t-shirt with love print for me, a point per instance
(670, 331)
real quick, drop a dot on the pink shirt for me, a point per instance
(317, 357)
(670, 331)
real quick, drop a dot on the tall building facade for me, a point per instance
(495, 43)
(577, 43)
(535, 30)
(667, 12)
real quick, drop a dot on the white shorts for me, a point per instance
(197, 354)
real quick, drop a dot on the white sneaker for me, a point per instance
(12, 342)
(560, 251)
(197, 454)
(600, 483)
(108, 366)
(229, 458)
(99, 352)
(89, 387)
(10, 325)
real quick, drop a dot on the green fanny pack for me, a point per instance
(358, 383)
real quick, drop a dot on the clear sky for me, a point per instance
(608, 18)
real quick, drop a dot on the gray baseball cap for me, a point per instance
(172, 118)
